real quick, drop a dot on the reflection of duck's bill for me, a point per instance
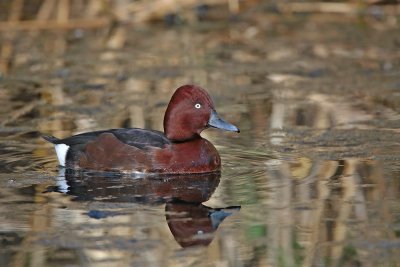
(216, 122)
(218, 215)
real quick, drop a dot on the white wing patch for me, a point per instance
(61, 150)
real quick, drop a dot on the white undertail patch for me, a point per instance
(61, 150)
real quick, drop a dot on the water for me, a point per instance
(311, 180)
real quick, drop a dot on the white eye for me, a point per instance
(197, 106)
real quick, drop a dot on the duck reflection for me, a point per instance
(190, 222)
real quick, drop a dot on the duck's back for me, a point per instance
(107, 148)
(136, 137)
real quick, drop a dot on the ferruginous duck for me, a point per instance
(180, 149)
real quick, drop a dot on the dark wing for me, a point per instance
(136, 137)
(141, 138)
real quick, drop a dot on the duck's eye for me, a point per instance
(198, 105)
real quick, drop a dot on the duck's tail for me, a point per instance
(61, 149)
(51, 139)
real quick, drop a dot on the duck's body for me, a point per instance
(180, 149)
(135, 150)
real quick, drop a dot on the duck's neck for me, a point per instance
(191, 138)
(177, 127)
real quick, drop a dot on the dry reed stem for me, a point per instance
(63, 11)
(16, 10)
(45, 10)
(333, 7)
(319, 7)
(38, 223)
(7, 47)
(21, 112)
(326, 172)
(29, 25)
(93, 8)
(350, 183)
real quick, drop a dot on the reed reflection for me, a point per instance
(327, 192)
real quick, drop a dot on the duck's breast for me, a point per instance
(196, 156)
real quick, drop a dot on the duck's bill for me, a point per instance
(216, 122)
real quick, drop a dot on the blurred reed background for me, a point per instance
(31, 29)
(21, 16)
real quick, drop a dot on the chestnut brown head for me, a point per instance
(189, 112)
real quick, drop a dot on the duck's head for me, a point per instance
(189, 112)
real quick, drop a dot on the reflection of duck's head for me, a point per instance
(195, 188)
(194, 224)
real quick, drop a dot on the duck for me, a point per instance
(180, 149)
